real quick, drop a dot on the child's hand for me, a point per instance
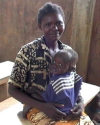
(77, 110)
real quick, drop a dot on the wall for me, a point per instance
(81, 32)
(94, 54)
(18, 26)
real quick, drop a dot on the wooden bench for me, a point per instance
(89, 91)
(11, 109)
(11, 113)
(5, 71)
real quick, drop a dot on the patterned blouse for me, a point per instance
(31, 68)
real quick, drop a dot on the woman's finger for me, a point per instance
(60, 113)
(59, 105)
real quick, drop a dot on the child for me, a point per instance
(65, 83)
(63, 89)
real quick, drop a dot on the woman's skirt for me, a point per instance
(39, 118)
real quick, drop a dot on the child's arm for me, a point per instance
(79, 107)
(49, 97)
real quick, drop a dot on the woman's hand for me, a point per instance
(52, 112)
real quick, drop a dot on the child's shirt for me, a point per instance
(63, 89)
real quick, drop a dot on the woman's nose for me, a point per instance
(54, 26)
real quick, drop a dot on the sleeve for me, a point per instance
(77, 87)
(48, 95)
(20, 68)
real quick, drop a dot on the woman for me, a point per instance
(30, 74)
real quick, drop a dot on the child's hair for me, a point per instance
(49, 8)
(67, 55)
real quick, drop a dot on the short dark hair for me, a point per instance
(49, 8)
(67, 55)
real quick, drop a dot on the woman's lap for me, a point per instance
(39, 118)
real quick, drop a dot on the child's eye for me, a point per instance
(59, 23)
(54, 62)
(48, 24)
(60, 64)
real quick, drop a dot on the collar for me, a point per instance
(60, 44)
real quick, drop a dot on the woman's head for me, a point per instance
(64, 61)
(49, 8)
(51, 21)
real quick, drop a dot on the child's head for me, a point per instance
(64, 61)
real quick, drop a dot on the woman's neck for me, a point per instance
(51, 44)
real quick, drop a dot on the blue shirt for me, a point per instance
(63, 89)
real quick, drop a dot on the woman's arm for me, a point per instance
(48, 108)
(22, 96)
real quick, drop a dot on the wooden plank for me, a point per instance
(3, 92)
(88, 92)
(7, 103)
(81, 32)
(94, 56)
(4, 80)
(5, 71)
(13, 116)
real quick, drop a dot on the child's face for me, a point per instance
(58, 66)
(72, 66)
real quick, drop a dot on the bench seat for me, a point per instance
(5, 71)
(12, 115)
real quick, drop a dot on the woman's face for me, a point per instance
(52, 26)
